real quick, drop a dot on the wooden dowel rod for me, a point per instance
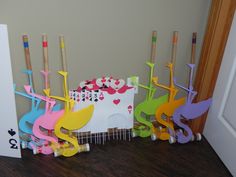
(64, 66)
(193, 51)
(27, 52)
(45, 52)
(45, 57)
(153, 49)
(25, 39)
(174, 47)
(63, 52)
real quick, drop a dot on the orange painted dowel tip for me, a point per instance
(175, 37)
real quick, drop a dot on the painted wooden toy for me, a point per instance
(46, 121)
(102, 108)
(113, 109)
(70, 120)
(149, 106)
(166, 110)
(189, 110)
(27, 120)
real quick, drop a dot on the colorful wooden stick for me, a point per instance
(64, 70)
(193, 51)
(27, 57)
(148, 106)
(174, 47)
(193, 54)
(28, 119)
(63, 53)
(48, 119)
(27, 52)
(38, 119)
(45, 58)
(189, 110)
(151, 91)
(69, 121)
(153, 50)
(167, 109)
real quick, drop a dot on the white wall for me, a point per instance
(103, 37)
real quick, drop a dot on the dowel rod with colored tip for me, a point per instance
(25, 39)
(153, 49)
(27, 52)
(193, 51)
(174, 47)
(45, 58)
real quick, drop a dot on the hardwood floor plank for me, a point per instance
(138, 158)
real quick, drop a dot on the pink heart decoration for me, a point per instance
(116, 102)
(117, 82)
(103, 79)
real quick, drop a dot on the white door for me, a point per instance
(220, 128)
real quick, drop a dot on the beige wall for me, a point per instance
(103, 37)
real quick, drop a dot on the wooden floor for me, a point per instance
(138, 158)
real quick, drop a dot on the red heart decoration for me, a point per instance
(103, 79)
(117, 82)
(116, 102)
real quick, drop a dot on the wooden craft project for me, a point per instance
(25, 39)
(70, 120)
(113, 109)
(46, 121)
(166, 110)
(27, 121)
(189, 110)
(30, 117)
(149, 106)
(103, 108)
